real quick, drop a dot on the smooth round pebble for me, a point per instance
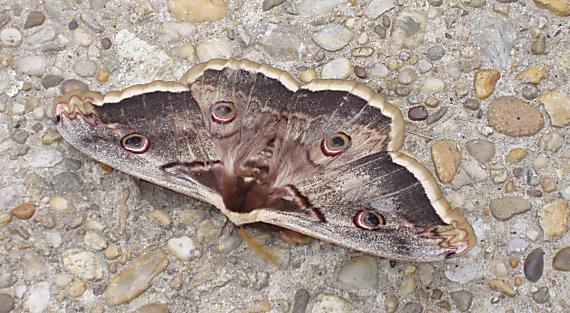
(155, 307)
(412, 307)
(541, 295)
(462, 299)
(534, 265)
(308, 75)
(85, 68)
(183, 248)
(11, 37)
(514, 117)
(435, 53)
(198, 11)
(332, 37)
(337, 69)
(481, 149)
(391, 303)
(418, 113)
(49, 81)
(212, 49)
(35, 18)
(70, 85)
(359, 272)
(508, 206)
(24, 211)
(31, 65)
(406, 76)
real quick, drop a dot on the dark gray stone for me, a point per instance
(68, 182)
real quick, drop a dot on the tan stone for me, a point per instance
(532, 74)
(557, 105)
(514, 117)
(24, 211)
(516, 155)
(198, 11)
(558, 7)
(484, 83)
(502, 286)
(554, 219)
(446, 157)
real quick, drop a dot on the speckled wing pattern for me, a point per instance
(323, 159)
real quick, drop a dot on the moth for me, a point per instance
(323, 159)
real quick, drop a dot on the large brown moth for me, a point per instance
(323, 159)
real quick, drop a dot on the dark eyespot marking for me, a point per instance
(369, 220)
(335, 144)
(223, 112)
(135, 143)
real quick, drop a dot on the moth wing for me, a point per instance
(164, 114)
(373, 176)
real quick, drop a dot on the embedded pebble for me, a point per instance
(155, 307)
(377, 7)
(6, 303)
(77, 288)
(136, 277)
(534, 265)
(31, 65)
(85, 68)
(437, 115)
(270, 4)
(532, 74)
(446, 157)
(35, 18)
(481, 149)
(538, 45)
(70, 85)
(39, 297)
(42, 37)
(300, 301)
(552, 141)
(484, 83)
(408, 286)
(49, 81)
(82, 37)
(412, 307)
(309, 8)
(207, 231)
(517, 245)
(462, 274)
(561, 260)
(162, 217)
(359, 272)
(333, 37)
(462, 299)
(472, 104)
(508, 206)
(82, 264)
(183, 248)
(433, 85)
(435, 53)
(409, 29)
(212, 49)
(360, 72)
(425, 273)
(558, 7)
(379, 71)
(514, 117)
(198, 11)
(557, 104)
(93, 241)
(554, 219)
(24, 211)
(11, 37)
(529, 92)
(418, 113)
(391, 303)
(406, 76)
(502, 286)
(337, 69)
(516, 155)
(328, 303)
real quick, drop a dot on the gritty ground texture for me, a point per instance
(483, 86)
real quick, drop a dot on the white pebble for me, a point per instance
(183, 248)
(213, 48)
(433, 85)
(31, 65)
(39, 297)
(333, 37)
(93, 241)
(359, 272)
(337, 69)
(11, 37)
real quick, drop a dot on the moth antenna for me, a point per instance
(419, 135)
